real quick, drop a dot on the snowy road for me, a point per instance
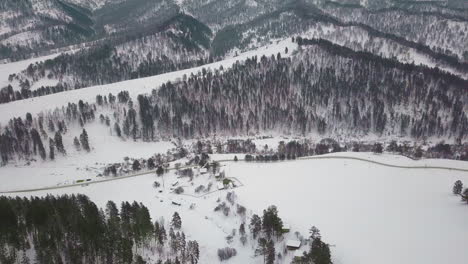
(340, 157)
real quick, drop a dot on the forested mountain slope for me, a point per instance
(178, 43)
(324, 89)
(30, 26)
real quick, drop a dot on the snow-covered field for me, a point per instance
(77, 165)
(369, 213)
(15, 67)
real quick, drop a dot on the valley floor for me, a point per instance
(370, 213)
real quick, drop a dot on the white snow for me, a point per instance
(15, 67)
(367, 212)
(78, 165)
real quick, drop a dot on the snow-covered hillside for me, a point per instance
(135, 87)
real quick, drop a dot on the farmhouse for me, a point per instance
(293, 244)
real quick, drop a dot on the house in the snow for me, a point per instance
(293, 244)
(220, 185)
(203, 170)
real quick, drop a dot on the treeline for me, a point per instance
(97, 66)
(429, 32)
(179, 42)
(326, 89)
(40, 137)
(72, 229)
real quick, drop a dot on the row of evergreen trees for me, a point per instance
(326, 89)
(72, 229)
(28, 138)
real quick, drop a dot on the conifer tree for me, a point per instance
(84, 140)
(255, 225)
(51, 149)
(77, 144)
(117, 130)
(457, 187)
(59, 143)
(270, 252)
(176, 221)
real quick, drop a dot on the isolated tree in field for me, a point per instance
(255, 225)
(465, 195)
(84, 140)
(235, 158)
(77, 144)
(176, 221)
(160, 171)
(117, 130)
(458, 187)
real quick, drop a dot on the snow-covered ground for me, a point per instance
(78, 165)
(368, 212)
(135, 87)
(15, 67)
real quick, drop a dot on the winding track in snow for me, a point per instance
(230, 160)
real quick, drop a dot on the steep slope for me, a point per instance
(305, 19)
(34, 26)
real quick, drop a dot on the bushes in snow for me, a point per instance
(200, 188)
(223, 207)
(179, 190)
(226, 253)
